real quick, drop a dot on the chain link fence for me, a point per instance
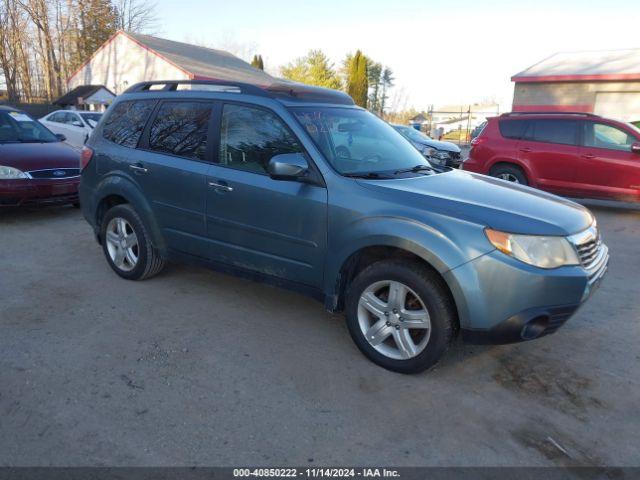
(459, 126)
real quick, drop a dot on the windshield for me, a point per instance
(18, 127)
(91, 119)
(413, 134)
(357, 142)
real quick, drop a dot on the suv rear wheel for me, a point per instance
(127, 246)
(400, 315)
(510, 173)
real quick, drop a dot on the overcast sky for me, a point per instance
(444, 52)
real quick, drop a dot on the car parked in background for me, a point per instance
(76, 125)
(572, 154)
(36, 166)
(250, 180)
(439, 153)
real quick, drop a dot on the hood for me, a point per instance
(38, 156)
(445, 146)
(488, 201)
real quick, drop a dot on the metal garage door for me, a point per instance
(623, 106)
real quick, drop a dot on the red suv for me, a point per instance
(573, 154)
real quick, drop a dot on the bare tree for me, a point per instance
(136, 16)
(39, 12)
(7, 53)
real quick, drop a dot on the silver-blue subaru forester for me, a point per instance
(296, 186)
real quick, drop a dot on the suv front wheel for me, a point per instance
(127, 246)
(400, 315)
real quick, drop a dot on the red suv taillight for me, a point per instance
(85, 157)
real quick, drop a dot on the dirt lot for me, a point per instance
(199, 368)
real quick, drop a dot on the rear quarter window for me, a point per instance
(514, 129)
(126, 122)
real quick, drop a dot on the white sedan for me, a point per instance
(73, 124)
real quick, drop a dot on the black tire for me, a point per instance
(431, 289)
(511, 171)
(150, 262)
(76, 204)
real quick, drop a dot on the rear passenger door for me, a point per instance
(169, 164)
(274, 227)
(550, 148)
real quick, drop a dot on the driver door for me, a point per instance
(608, 167)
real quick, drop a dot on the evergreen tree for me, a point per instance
(312, 69)
(387, 82)
(257, 62)
(357, 81)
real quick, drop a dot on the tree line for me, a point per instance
(43, 42)
(365, 80)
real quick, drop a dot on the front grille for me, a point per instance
(455, 155)
(592, 252)
(55, 173)
(588, 251)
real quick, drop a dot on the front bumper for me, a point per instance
(502, 300)
(38, 191)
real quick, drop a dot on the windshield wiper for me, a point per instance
(416, 169)
(365, 175)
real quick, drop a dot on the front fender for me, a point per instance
(120, 185)
(452, 244)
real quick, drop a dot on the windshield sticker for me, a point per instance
(20, 117)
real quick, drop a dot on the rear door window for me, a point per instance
(564, 132)
(126, 122)
(513, 129)
(180, 128)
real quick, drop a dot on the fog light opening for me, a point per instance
(534, 328)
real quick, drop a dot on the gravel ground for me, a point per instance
(199, 368)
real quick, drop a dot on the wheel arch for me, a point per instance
(364, 256)
(117, 190)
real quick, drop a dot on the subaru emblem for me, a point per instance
(59, 173)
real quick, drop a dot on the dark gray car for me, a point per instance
(297, 186)
(445, 154)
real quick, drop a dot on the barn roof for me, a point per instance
(604, 65)
(203, 62)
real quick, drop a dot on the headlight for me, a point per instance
(10, 173)
(428, 151)
(537, 250)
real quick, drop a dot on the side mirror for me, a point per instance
(635, 147)
(77, 124)
(288, 166)
(60, 137)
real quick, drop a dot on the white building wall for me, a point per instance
(121, 63)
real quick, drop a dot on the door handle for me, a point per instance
(525, 149)
(138, 168)
(219, 186)
(588, 156)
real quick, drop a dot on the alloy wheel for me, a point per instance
(394, 320)
(122, 244)
(509, 177)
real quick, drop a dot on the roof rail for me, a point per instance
(515, 114)
(279, 89)
(207, 85)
